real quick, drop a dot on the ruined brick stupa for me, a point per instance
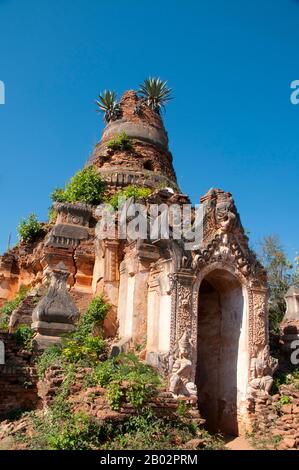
(199, 316)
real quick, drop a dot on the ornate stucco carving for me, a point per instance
(180, 381)
(262, 368)
(226, 248)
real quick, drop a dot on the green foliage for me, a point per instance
(108, 104)
(103, 373)
(79, 433)
(82, 345)
(10, 306)
(88, 350)
(59, 195)
(115, 395)
(52, 215)
(95, 315)
(155, 93)
(24, 336)
(182, 408)
(136, 192)
(148, 432)
(284, 400)
(280, 277)
(126, 377)
(293, 378)
(287, 378)
(120, 142)
(50, 357)
(86, 186)
(29, 230)
(62, 429)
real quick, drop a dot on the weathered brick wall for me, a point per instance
(279, 422)
(18, 380)
(93, 400)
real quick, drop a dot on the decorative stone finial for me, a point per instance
(292, 301)
(56, 314)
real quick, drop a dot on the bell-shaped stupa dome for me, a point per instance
(145, 159)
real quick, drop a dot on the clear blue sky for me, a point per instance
(231, 124)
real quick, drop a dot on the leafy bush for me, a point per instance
(52, 215)
(82, 345)
(103, 373)
(61, 429)
(182, 408)
(147, 431)
(29, 230)
(285, 377)
(24, 336)
(86, 186)
(121, 196)
(120, 142)
(79, 433)
(284, 400)
(51, 356)
(115, 395)
(126, 377)
(94, 315)
(10, 306)
(281, 275)
(89, 350)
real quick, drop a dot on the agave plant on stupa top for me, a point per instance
(108, 104)
(155, 93)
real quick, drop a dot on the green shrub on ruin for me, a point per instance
(86, 186)
(87, 350)
(94, 316)
(24, 337)
(51, 356)
(80, 432)
(136, 192)
(126, 377)
(30, 230)
(10, 306)
(52, 215)
(115, 395)
(284, 400)
(83, 346)
(120, 142)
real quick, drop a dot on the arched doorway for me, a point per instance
(222, 363)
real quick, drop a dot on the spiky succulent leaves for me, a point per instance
(108, 104)
(155, 92)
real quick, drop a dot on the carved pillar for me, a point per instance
(153, 308)
(111, 270)
(110, 282)
(258, 319)
(133, 289)
(181, 320)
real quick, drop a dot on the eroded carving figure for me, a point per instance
(262, 367)
(180, 379)
(225, 212)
